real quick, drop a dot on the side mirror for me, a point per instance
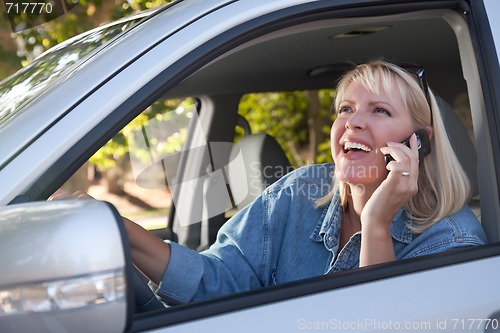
(64, 268)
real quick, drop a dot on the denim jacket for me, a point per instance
(283, 236)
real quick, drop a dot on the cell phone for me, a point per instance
(424, 145)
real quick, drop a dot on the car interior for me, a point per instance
(312, 55)
(309, 55)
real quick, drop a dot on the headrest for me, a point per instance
(264, 163)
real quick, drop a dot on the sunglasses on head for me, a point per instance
(419, 72)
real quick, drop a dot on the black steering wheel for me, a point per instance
(145, 298)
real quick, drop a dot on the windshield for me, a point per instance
(29, 82)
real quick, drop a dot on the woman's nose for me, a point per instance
(356, 121)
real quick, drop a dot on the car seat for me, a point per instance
(264, 163)
(464, 149)
(260, 162)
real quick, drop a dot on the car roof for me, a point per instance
(313, 55)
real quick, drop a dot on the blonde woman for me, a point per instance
(377, 203)
(380, 103)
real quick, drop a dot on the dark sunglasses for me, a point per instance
(419, 72)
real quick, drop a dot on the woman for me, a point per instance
(321, 219)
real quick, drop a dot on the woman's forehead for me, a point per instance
(387, 89)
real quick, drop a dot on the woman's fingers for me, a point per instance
(64, 195)
(405, 158)
(404, 168)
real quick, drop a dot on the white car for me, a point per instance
(65, 265)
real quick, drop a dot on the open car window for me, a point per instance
(136, 169)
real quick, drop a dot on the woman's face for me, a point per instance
(365, 122)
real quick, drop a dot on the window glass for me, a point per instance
(135, 169)
(33, 79)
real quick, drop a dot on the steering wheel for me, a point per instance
(145, 298)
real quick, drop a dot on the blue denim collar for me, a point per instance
(400, 230)
(328, 228)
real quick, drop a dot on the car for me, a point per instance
(174, 80)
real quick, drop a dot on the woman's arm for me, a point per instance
(392, 194)
(376, 245)
(149, 253)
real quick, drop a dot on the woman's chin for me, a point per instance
(362, 174)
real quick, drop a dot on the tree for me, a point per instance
(9, 61)
(300, 121)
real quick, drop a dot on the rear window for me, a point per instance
(29, 82)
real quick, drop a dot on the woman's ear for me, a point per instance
(430, 131)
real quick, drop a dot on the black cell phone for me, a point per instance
(424, 145)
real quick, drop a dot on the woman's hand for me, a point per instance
(64, 195)
(399, 186)
(392, 194)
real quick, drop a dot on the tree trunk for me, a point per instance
(314, 124)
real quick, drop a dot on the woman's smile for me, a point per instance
(355, 149)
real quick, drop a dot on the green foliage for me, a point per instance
(125, 8)
(281, 115)
(9, 62)
(284, 115)
(161, 143)
(81, 17)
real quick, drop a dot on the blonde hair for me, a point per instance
(443, 186)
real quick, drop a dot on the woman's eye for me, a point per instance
(383, 111)
(344, 109)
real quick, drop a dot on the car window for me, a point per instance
(285, 115)
(136, 168)
(33, 79)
